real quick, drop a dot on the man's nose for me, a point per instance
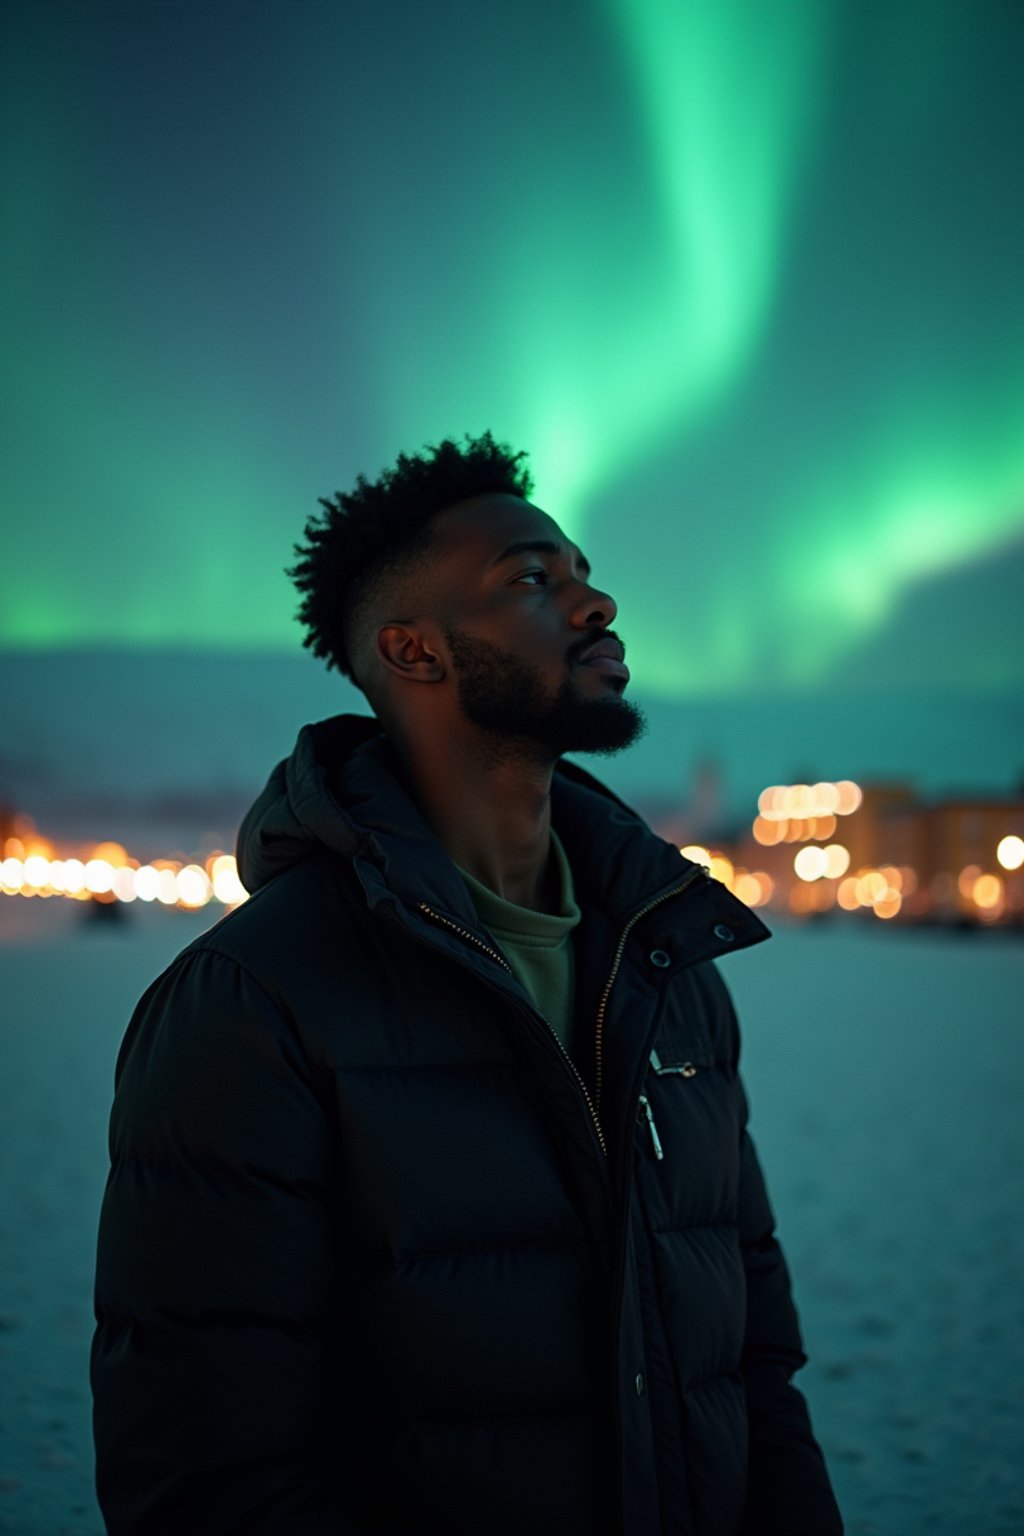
(595, 610)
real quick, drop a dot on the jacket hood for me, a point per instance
(299, 808)
(341, 790)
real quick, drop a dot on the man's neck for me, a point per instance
(492, 812)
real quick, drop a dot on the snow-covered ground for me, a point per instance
(885, 1073)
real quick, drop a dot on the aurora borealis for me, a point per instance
(744, 279)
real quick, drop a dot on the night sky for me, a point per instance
(746, 279)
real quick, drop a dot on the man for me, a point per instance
(431, 1204)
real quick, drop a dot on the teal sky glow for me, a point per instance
(745, 280)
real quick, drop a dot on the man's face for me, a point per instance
(534, 657)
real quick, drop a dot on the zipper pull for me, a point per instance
(685, 1069)
(648, 1114)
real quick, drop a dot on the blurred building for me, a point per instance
(876, 849)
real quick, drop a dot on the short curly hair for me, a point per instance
(367, 531)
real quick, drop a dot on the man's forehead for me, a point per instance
(483, 526)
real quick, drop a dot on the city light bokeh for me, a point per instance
(32, 866)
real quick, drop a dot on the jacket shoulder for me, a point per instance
(306, 910)
(283, 951)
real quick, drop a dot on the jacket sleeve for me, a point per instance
(215, 1269)
(789, 1489)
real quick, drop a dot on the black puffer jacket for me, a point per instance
(375, 1256)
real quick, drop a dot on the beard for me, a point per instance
(506, 696)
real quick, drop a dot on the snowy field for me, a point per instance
(885, 1073)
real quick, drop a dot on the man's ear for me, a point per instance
(408, 654)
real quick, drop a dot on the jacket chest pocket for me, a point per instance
(687, 1125)
(666, 1087)
(682, 1047)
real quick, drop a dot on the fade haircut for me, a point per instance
(364, 534)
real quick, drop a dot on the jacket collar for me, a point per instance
(341, 789)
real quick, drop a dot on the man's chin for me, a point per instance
(601, 726)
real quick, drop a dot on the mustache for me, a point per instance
(580, 646)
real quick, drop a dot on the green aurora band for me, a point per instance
(697, 311)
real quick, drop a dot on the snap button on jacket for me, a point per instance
(376, 1256)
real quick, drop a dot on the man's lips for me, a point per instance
(605, 656)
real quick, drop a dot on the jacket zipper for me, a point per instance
(602, 1006)
(471, 938)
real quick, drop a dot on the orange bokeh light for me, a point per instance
(987, 892)
(768, 833)
(111, 853)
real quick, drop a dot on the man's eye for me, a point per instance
(537, 576)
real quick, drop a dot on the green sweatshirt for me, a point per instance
(537, 945)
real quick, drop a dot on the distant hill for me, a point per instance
(116, 743)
